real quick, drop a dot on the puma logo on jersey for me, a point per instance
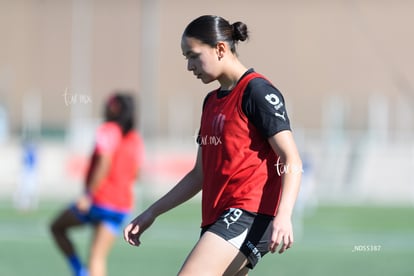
(277, 104)
(281, 115)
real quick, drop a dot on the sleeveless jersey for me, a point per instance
(239, 165)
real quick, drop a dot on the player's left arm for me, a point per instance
(290, 167)
(108, 136)
(265, 107)
(103, 163)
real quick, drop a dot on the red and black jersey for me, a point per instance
(239, 165)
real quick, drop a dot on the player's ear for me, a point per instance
(221, 48)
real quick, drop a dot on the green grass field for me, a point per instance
(335, 241)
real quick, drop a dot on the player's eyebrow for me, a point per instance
(190, 54)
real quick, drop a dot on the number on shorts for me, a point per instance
(233, 215)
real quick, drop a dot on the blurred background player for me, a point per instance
(108, 197)
(25, 197)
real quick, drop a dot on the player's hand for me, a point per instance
(282, 234)
(84, 203)
(133, 231)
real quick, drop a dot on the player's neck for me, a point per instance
(230, 79)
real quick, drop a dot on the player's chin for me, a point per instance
(206, 79)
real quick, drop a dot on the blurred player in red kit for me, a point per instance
(108, 197)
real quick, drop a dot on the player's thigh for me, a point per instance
(66, 219)
(212, 255)
(102, 242)
(242, 272)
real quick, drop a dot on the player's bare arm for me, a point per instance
(188, 187)
(100, 172)
(291, 169)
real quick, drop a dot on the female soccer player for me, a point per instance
(108, 198)
(247, 166)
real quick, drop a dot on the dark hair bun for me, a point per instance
(240, 31)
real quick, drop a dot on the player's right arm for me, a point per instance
(185, 189)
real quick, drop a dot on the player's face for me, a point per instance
(201, 58)
(112, 110)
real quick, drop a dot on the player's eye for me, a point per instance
(192, 56)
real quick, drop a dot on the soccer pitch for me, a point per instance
(334, 241)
